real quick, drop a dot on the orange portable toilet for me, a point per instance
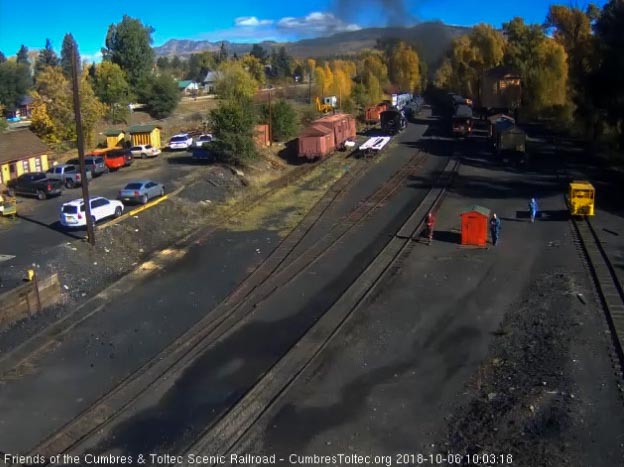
(474, 225)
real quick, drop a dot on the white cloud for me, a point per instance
(251, 21)
(316, 23)
(91, 58)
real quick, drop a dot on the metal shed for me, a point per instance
(474, 225)
(316, 141)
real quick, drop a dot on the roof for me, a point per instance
(582, 184)
(315, 130)
(211, 76)
(502, 72)
(333, 118)
(494, 118)
(20, 144)
(142, 128)
(113, 132)
(183, 84)
(26, 100)
(477, 208)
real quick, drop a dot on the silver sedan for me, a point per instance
(141, 191)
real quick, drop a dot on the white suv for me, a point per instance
(181, 141)
(73, 212)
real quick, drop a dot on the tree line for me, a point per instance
(571, 65)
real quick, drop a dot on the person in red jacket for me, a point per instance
(430, 226)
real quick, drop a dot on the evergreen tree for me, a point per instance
(258, 52)
(128, 44)
(47, 57)
(160, 94)
(223, 55)
(22, 55)
(2, 58)
(69, 44)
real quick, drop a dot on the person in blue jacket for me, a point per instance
(533, 209)
(495, 226)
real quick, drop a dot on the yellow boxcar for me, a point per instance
(581, 198)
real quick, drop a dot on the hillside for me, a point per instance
(432, 39)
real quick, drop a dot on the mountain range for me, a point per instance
(431, 39)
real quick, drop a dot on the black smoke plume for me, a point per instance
(395, 12)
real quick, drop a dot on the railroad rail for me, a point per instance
(223, 438)
(275, 272)
(606, 281)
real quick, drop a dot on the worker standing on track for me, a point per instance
(533, 209)
(430, 226)
(495, 226)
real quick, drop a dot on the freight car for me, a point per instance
(461, 122)
(500, 90)
(392, 122)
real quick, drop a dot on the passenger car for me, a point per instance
(144, 150)
(141, 191)
(207, 138)
(94, 164)
(68, 174)
(73, 212)
(180, 141)
(35, 183)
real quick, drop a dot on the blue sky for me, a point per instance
(31, 22)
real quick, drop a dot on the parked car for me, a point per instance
(35, 184)
(180, 141)
(68, 174)
(141, 191)
(144, 150)
(207, 138)
(94, 164)
(118, 158)
(73, 212)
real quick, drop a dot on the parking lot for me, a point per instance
(38, 230)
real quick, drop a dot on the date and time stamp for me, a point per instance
(233, 459)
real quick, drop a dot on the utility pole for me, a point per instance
(270, 121)
(80, 141)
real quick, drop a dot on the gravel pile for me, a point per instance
(522, 400)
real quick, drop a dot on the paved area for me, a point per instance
(131, 329)
(38, 230)
(466, 350)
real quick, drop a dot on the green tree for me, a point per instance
(163, 63)
(22, 55)
(15, 82)
(235, 83)
(111, 87)
(128, 44)
(47, 57)
(199, 65)
(258, 52)
(607, 87)
(233, 125)
(2, 58)
(254, 67)
(223, 54)
(69, 45)
(283, 120)
(281, 63)
(160, 94)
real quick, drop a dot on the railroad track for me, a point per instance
(607, 285)
(225, 437)
(230, 314)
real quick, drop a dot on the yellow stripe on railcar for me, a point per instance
(581, 198)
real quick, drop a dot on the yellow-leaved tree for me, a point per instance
(235, 82)
(254, 67)
(53, 107)
(405, 67)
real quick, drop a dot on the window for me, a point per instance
(58, 170)
(38, 166)
(148, 146)
(150, 185)
(133, 186)
(70, 168)
(98, 203)
(69, 209)
(25, 166)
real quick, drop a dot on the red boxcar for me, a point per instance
(342, 125)
(373, 113)
(316, 141)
